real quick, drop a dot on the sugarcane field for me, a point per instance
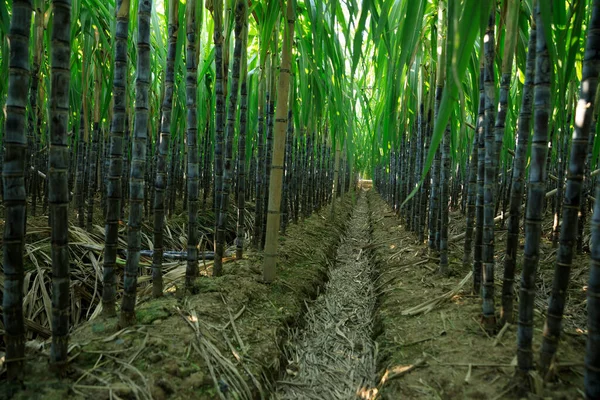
(300, 199)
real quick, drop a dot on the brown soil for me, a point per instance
(445, 353)
(233, 339)
(222, 343)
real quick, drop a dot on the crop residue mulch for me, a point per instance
(431, 343)
(333, 355)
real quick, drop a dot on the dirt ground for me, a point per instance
(357, 290)
(222, 343)
(440, 350)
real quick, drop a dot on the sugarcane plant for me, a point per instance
(276, 176)
(240, 15)
(191, 87)
(13, 184)
(58, 170)
(536, 196)
(163, 151)
(263, 113)
(114, 193)
(518, 178)
(572, 203)
(138, 164)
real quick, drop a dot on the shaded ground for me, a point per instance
(439, 350)
(333, 355)
(238, 336)
(86, 260)
(223, 343)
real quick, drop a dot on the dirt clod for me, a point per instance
(172, 368)
(165, 386)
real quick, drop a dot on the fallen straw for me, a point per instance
(431, 304)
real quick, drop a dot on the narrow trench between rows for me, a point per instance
(333, 355)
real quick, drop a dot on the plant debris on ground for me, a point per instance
(333, 355)
(431, 345)
(224, 342)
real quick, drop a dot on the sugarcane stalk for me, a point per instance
(572, 199)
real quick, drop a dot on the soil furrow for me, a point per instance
(333, 355)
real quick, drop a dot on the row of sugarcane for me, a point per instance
(422, 195)
(291, 172)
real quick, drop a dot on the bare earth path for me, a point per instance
(333, 355)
